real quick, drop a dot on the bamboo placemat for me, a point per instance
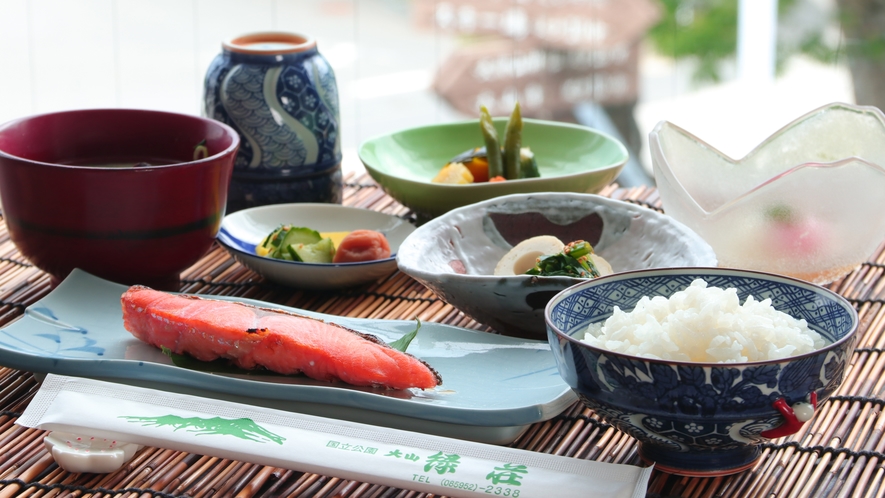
(841, 452)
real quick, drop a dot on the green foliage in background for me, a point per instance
(703, 29)
(706, 30)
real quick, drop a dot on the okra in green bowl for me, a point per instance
(569, 158)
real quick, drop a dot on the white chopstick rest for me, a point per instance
(76, 453)
(319, 445)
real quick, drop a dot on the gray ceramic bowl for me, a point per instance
(455, 254)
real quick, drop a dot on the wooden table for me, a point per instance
(840, 453)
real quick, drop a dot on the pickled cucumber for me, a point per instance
(318, 252)
(277, 243)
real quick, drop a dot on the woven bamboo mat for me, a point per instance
(841, 453)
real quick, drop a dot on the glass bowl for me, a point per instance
(806, 203)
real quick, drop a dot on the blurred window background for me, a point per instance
(730, 71)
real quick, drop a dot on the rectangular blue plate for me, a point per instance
(493, 386)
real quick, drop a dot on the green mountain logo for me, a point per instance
(242, 428)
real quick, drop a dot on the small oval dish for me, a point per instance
(455, 255)
(243, 230)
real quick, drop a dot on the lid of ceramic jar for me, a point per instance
(270, 43)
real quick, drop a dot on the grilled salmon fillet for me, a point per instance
(279, 341)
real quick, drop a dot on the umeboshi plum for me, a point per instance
(362, 245)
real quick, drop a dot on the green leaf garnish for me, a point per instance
(574, 261)
(217, 366)
(403, 342)
(560, 265)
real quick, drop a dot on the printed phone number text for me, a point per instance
(491, 490)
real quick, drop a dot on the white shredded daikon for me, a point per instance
(704, 324)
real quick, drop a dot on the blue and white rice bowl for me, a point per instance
(699, 419)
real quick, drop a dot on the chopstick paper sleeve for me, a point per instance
(319, 445)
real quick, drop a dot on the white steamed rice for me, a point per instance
(704, 324)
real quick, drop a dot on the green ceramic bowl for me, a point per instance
(571, 158)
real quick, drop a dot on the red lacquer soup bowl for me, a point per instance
(133, 196)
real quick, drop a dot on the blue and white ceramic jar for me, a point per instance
(280, 95)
